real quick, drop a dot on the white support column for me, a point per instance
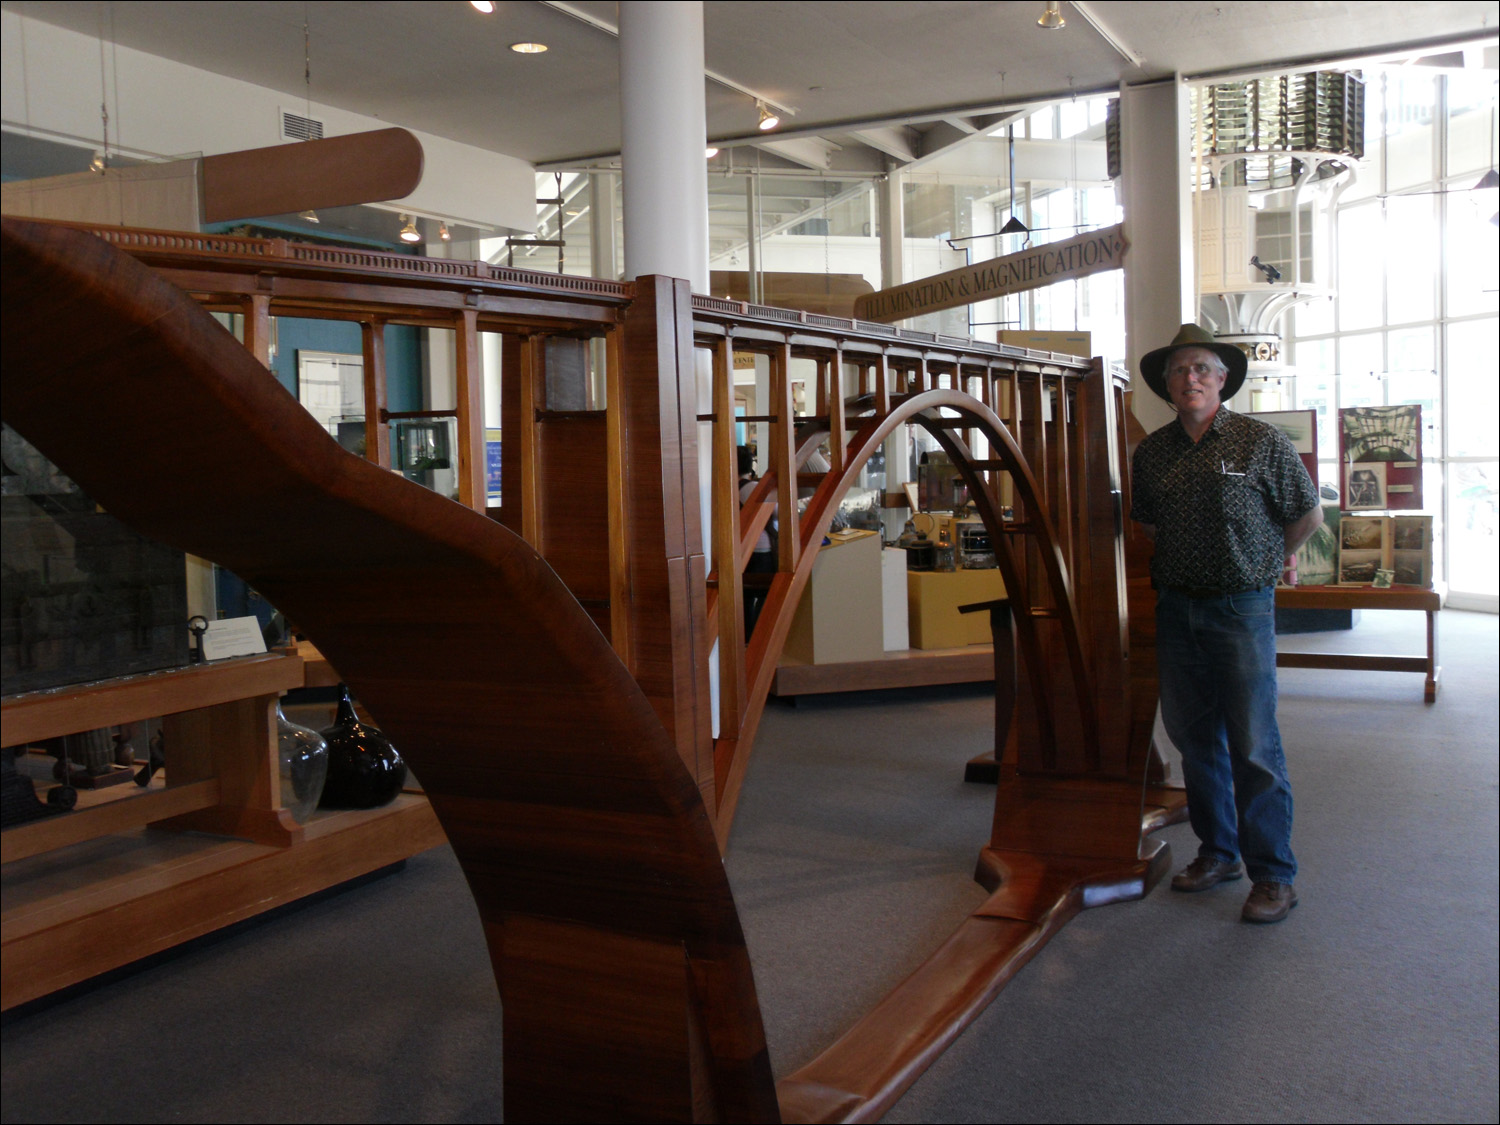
(892, 229)
(664, 127)
(603, 256)
(663, 134)
(1155, 135)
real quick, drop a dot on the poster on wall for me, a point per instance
(1380, 449)
(1301, 427)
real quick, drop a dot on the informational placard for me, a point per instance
(1380, 455)
(1301, 428)
(233, 636)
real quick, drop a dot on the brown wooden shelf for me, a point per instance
(103, 812)
(902, 668)
(77, 911)
(46, 714)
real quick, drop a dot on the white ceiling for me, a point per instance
(939, 67)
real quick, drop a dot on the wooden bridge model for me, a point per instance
(545, 664)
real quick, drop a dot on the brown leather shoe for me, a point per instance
(1204, 872)
(1269, 902)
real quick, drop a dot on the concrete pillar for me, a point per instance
(664, 128)
(1155, 155)
(892, 229)
(603, 257)
(663, 133)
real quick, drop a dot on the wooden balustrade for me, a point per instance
(587, 633)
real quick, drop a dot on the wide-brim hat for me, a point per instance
(1154, 364)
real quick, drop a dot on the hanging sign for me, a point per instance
(1038, 266)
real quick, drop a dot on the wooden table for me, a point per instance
(1365, 597)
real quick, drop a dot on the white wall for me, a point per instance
(166, 108)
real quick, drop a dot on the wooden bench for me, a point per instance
(1365, 597)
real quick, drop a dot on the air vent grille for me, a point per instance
(295, 127)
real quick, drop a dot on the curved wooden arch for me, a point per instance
(765, 645)
(583, 838)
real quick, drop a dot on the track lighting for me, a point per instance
(409, 231)
(768, 119)
(444, 233)
(1052, 18)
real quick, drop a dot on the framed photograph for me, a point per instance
(1357, 568)
(1361, 533)
(1365, 486)
(1389, 437)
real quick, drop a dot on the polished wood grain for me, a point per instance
(556, 782)
(572, 769)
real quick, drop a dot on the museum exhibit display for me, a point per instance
(510, 597)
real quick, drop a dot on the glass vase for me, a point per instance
(304, 766)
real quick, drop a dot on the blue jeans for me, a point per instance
(1216, 659)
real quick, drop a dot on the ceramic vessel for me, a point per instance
(364, 770)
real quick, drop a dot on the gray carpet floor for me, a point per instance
(851, 859)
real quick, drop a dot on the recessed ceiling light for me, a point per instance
(528, 48)
(485, 6)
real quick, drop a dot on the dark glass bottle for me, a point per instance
(364, 769)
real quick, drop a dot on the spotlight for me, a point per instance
(409, 230)
(309, 216)
(1052, 18)
(710, 152)
(444, 233)
(97, 163)
(768, 119)
(485, 6)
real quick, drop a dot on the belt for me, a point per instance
(1209, 591)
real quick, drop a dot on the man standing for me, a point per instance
(1226, 500)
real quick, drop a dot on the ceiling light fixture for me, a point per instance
(309, 216)
(97, 163)
(710, 152)
(485, 6)
(409, 231)
(1052, 18)
(528, 48)
(768, 119)
(444, 233)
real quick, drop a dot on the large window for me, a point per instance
(1416, 273)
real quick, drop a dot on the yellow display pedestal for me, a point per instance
(932, 601)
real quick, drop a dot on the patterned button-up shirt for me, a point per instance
(1219, 505)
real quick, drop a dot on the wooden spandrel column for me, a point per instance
(657, 518)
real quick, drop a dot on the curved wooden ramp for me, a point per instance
(626, 986)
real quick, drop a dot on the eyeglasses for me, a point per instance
(1200, 371)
